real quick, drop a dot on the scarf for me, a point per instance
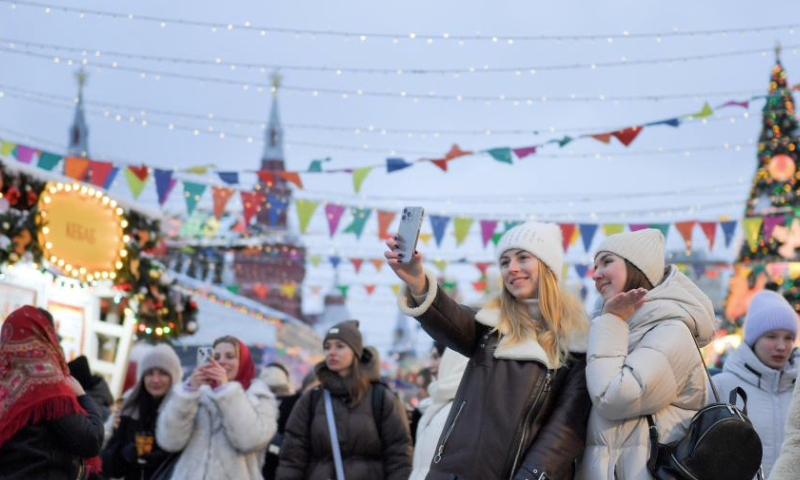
(33, 374)
(247, 369)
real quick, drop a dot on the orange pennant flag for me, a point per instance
(686, 229)
(370, 289)
(378, 263)
(221, 196)
(455, 152)
(603, 137)
(76, 168)
(384, 221)
(292, 177)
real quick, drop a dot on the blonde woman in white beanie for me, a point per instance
(521, 409)
(765, 367)
(642, 358)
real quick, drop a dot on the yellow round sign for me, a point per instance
(82, 231)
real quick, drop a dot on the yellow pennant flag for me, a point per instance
(612, 228)
(462, 226)
(396, 289)
(425, 237)
(315, 260)
(200, 169)
(359, 174)
(288, 289)
(440, 265)
(752, 227)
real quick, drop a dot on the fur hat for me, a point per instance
(543, 240)
(163, 357)
(644, 249)
(276, 377)
(347, 332)
(768, 311)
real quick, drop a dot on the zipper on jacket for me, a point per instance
(534, 408)
(440, 450)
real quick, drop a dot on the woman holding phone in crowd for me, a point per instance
(521, 408)
(132, 453)
(642, 358)
(221, 420)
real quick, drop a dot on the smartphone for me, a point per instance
(204, 355)
(408, 233)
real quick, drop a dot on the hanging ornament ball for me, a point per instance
(191, 327)
(781, 167)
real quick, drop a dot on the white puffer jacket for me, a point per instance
(648, 365)
(769, 394)
(223, 434)
(442, 392)
(787, 466)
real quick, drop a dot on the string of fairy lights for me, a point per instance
(424, 38)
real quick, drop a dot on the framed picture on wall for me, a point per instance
(13, 297)
(71, 326)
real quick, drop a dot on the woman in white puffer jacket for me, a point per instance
(765, 367)
(442, 392)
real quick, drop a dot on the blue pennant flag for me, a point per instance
(231, 178)
(395, 164)
(439, 223)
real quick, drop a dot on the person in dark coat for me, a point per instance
(371, 424)
(276, 376)
(49, 428)
(94, 385)
(159, 370)
(522, 406)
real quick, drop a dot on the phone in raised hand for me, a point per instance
(204, 355)
(408, 233)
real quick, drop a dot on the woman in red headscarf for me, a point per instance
(221, 420)
(49, 428)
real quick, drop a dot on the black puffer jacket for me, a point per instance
(369, 451)
(53, 450)
(119, 457)
(513, 417)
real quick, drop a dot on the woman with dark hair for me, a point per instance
(221, 420)
(642, 359)
(49, 428)
(159, 370)
(370, 422)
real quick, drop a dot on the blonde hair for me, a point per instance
(563, 317)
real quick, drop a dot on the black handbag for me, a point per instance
(720, 443)
(167, 467)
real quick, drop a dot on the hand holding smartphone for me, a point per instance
(408, 233)
(401, 257)
(204, 355)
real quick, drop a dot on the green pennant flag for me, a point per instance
(48, 161)
(450, 287)
(565, 141)
(193, 193)
(664, 227)
(360, 217)
(6, 148)
(316, 165)
(343, 289)
(462, 226)
(315, 260)
(496, 238)
(501, 154)
(359, 174)
(305, 209)
(233, 289)
(705, 112)
(135, 183)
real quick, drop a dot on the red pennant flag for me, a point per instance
(221, 196)
(357, 262)
(710, 229)
(384, 221)
(252, 202)
(567, 230)
(292, 177)
(378, 262)
(140, 172)
(99, 172)
(482, 266)
(266, 177)
(369, 288)
(686, 229)
(603, 137)
(455, 152)
(261, 290)
(76, 167)
(441, 164)
(627, 136)
(480, 285)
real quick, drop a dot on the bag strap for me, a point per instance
(377, 405)
(337, 454)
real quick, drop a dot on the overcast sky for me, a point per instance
(712, 162)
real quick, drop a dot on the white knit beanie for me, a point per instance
(768, 310)
(643, 248)
(275, 377)
(163, 357)
(543, 240)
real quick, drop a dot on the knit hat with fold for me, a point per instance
(643, 248)
(768, 311)
(543, 240)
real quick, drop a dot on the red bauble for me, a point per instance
(13, 195)
(781, 167)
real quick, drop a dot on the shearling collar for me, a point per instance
(529, 348)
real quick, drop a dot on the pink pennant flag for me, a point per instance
(524, 152)
(25, 154)
(333, 213)
(733, 103)
(770, 223)
(487, 230)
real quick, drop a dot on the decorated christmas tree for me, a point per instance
(769, 255)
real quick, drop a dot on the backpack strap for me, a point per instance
(378, 395)
(312, 405)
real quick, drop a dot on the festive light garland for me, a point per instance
(426, 38)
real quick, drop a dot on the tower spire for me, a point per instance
(79, 131)
(273, 144)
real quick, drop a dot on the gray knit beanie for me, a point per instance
(768, 310)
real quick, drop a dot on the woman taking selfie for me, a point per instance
(132, 453)
(642, 358)
(371, 425)
(221, 420)
(521, 408)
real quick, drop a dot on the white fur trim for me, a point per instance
(529, 348)
(404, 300)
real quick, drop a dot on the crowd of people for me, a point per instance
(529, 386)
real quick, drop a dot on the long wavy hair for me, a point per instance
(563, 317)
(357, 383)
